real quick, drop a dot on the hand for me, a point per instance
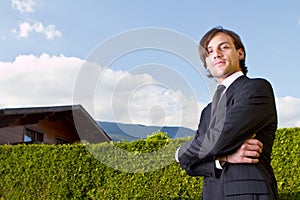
(249, 152)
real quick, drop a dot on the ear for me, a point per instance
(241, 54)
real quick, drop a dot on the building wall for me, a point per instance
(10, 135)
(57, 129)
(51, 130)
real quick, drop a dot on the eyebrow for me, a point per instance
(209, 47)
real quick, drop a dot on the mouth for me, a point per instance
(220, 62)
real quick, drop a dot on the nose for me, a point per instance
(217, 54)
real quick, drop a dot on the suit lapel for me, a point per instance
(228, 98)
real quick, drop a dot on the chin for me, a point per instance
(218, 75)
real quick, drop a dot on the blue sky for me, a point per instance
(44, 44)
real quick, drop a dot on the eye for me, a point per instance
(209, 51)
(224, 47)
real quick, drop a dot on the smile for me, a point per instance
(219, 62)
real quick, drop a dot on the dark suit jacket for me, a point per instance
(247, 107)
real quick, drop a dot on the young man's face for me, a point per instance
(222, 58)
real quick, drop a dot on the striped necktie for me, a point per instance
(216, 97)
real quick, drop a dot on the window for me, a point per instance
(62, 141)
(33, 136)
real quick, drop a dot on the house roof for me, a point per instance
(76, 116)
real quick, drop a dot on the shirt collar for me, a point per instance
(230, 79)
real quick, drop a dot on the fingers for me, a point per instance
(249, 152)
(253, 136)
(252, 146)
(254, 142)
(242, 157)
(250, 160)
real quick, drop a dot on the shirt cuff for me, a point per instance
(218, 164)
(176, 155)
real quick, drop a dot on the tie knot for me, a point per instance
(221, 88)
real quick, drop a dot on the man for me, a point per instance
(233, 143)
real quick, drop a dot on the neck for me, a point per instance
(222, 78)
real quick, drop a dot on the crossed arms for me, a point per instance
(252, 111)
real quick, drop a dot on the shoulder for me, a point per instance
(246, 81)
(206, 110)
(256, 86)
(260, 83)
(260, 80)
(245, 86)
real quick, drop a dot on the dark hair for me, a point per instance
(236, 40)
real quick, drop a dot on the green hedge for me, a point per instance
(73, 172)
(285, 162)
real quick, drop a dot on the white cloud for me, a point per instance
(23, 6)
(120, 96)
(288, 111)
(140, 99)
(25, 28)
(36, 81)
(50, 80)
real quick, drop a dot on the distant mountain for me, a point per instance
(130, 132)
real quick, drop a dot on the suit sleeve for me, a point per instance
(252, 109)
(206, 167)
